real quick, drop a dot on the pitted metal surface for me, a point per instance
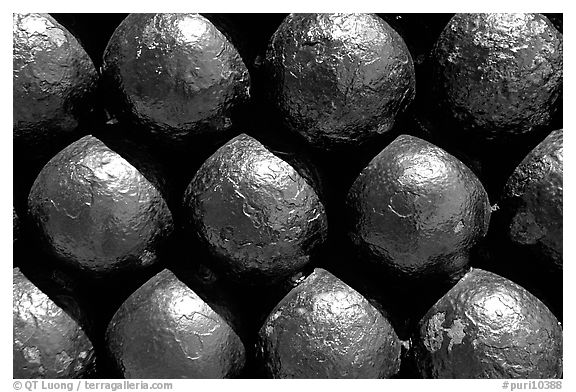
(339, 79)
(533, 198)
(255, 213)
(96, 211)
(47, 342)
(165, 330)
(325, 329)
(499, 75)
(488, 327)
(175, 75)
(417, 209)
(54, 81)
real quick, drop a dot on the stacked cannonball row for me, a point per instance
(288, 196)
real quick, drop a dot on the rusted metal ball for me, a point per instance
(417, 210)
(339, 79)
(255, 213)
(488, 327)
(53, 86)
(95, 211)
(165, 330)
(532, 202)
(325, 329)
(174, 75)
(498, 75)
(47, 341)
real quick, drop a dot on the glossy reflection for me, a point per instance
(417, 209)
(499, 74)
(488, 327)
(165, 330)
(255, 212)
(533, 201)
(47, 342)
(54, 80)
(339, 79)
(174, 75)
(325, 329)
(96, 211)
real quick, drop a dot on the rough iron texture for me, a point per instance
(499, 75)
(417, 209)
(53, 84)
(488, 327)
(254, 212)
(325, 329)
(97, 212)
(339, 79)
(165, 330)
(174, 75)
(532, 199)
(47, 342)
